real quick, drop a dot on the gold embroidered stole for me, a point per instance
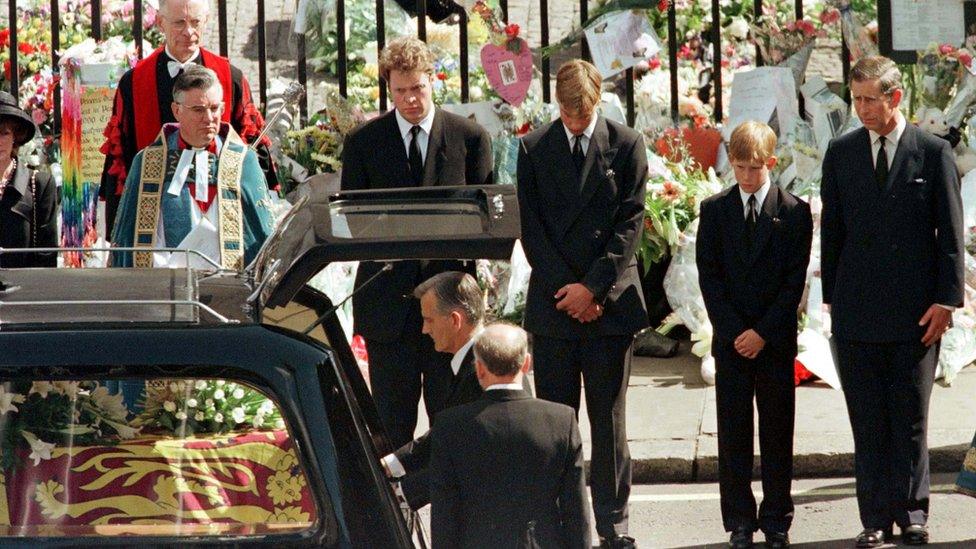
(228, 200)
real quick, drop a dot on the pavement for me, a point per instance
(672, 428)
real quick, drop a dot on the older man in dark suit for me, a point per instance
(507, 469)
(581, 187)
(892, 267)
(453, 310)
(414, 145)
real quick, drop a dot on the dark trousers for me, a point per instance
(399, 370)
(768, 378)
(887, 387)
(604, 365)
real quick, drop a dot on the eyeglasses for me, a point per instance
(202, 110)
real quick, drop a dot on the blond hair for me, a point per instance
(578, 87)
(405, 54)
(752, 142)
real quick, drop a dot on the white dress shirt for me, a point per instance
(422, 137)
(506, 387)
(891, 141)
(587, 134)
(760, 199)
(174, 65)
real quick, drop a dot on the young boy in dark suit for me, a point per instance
(752, 251)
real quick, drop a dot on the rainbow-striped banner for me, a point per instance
(85, 110)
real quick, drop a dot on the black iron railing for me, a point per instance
(421, 8)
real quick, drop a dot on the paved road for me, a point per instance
(687, 515)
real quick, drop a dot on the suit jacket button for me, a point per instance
(596, 233)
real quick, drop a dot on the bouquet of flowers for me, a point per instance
(778, 42)
(675, 189)
(938, 70)
(43, 414)
(187, 407)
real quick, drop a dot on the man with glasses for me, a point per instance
(415, 145)
(142, 100)
(197, 186)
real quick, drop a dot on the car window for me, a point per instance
(164, 457)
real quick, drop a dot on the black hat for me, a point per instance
(10, 111)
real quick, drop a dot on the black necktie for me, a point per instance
(416, 160)
(751, 217)
(578, 157)
(881, 166)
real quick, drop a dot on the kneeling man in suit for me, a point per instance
(507, 469)
(453, 312)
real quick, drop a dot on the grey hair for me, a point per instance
(163, 3)
(879, 68)
(455, 291)
(502, 348)
(195, 77)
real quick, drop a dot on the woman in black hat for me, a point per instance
(28, 198)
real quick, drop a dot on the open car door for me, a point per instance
(464, 222)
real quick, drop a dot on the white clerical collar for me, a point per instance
(172, 57)
(404, 125)
(506, 387)
(894, 136)
(587, 133)
(760, 195)
(200, 160)
(458, 357)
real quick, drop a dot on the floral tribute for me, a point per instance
(39, 416)
(188, 407)
(777, 41)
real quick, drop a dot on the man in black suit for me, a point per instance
(581, 186)
(453, 310)
(414, 145)
(752, 252)
(892, 268)
(507, 469)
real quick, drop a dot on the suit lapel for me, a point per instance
(767, 217)
(905, 154)
(735, 218)
(435, 150)
(599, 145)
(399, 163)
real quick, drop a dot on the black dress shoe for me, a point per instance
(916, 534)
(741, 538)
(618, 541)
(871, 538)
(777, 540)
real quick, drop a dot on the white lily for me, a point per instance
(40, 450)
(7, 401)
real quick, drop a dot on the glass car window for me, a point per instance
(165, 457)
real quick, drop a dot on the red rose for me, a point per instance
(662, 5)
(946, 49)
(966, 59)
(654, 63)
(25, 48)
(5, 37)
(442, 76)
(511, 31)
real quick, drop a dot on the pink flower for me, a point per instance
(829, 16)
(39, 116)
(946, 49)
(966, 59)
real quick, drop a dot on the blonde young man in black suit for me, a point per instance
(507, 469)
(752, 251)
(415, 145)
(892, 267)
(581, 187)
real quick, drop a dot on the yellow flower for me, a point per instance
(477, 30)
(371, 70)
(285, 488)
